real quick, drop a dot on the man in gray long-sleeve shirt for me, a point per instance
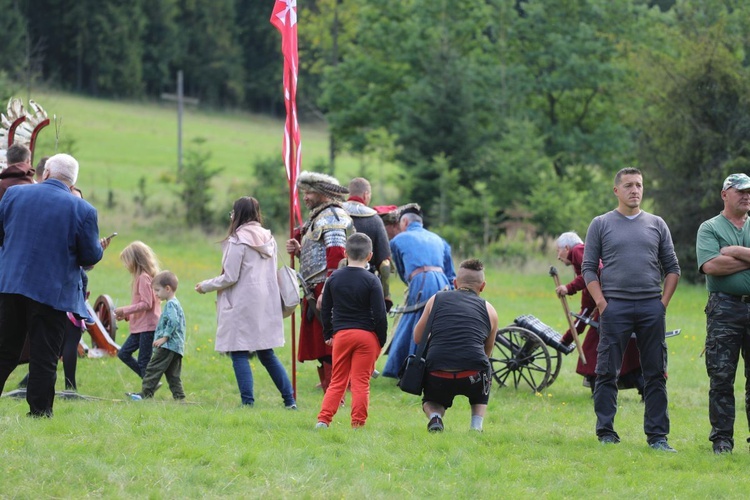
(636, 249)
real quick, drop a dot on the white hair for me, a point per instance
(410, 217)
(569, 239)
(62, 167)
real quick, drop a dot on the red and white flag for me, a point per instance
(284, 17)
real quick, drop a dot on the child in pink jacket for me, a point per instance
(144, 311)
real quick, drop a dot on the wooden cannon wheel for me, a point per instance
(105, 310)
(520, 357)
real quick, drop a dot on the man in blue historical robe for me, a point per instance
(423, 261)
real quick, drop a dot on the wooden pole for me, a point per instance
(564, 300)
(180, 109)
(292, 165)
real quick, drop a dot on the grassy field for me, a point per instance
(118, 143)
(540, 445)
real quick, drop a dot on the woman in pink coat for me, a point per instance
(248, 307)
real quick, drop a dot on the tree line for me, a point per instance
(497, 113)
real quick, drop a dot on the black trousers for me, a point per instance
(620, 320)
(70, 354)
(21, 316)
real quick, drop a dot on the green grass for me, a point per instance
(118, 143)
(533, 444)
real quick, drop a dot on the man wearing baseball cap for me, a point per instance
(724, 257)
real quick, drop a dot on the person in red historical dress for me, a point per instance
(570, 252)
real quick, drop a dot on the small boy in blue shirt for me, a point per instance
(169, 341)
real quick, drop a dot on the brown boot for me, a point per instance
(326, 380)
(321, 376)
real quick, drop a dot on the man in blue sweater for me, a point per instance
(635, 248)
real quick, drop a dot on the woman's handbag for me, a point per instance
(411, 373)
(288, 289)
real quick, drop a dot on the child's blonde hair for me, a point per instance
(139, 258)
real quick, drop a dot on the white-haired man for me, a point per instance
(320, 246)
(46, 235)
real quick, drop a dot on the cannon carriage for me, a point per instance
(527, 353)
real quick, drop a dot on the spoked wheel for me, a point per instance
(105, 311)
(556, 359)
(521, 358)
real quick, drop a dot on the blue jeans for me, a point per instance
(141, 342)
(244, 375)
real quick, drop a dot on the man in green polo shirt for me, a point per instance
(723, 251)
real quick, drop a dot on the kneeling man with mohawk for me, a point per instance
(462, 328)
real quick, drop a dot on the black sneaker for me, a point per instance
(435, 424)
(662, 445)
(44, 414)
(721, 447)
(609, 439)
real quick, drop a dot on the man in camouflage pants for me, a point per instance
(724, 257)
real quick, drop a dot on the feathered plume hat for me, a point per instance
(410, 208)
(321, 183)
(18, 125)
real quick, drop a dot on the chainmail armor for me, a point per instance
(326, 228)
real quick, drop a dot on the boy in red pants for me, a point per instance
(354, 324)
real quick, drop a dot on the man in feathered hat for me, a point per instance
(320, 246)
(423, 261)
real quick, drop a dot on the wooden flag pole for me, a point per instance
(564, 300)
(293, 160)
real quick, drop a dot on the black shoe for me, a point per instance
(721, 447)
(609, 439)
(662, 445)
(435, 424)
(44, 414)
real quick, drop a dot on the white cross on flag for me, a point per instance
(284, 17)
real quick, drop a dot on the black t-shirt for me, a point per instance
(460, 327)
(353, 298)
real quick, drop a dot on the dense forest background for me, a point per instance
(502, 117)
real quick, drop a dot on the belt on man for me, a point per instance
(738, 298)
(463, 374)
(424, 269)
